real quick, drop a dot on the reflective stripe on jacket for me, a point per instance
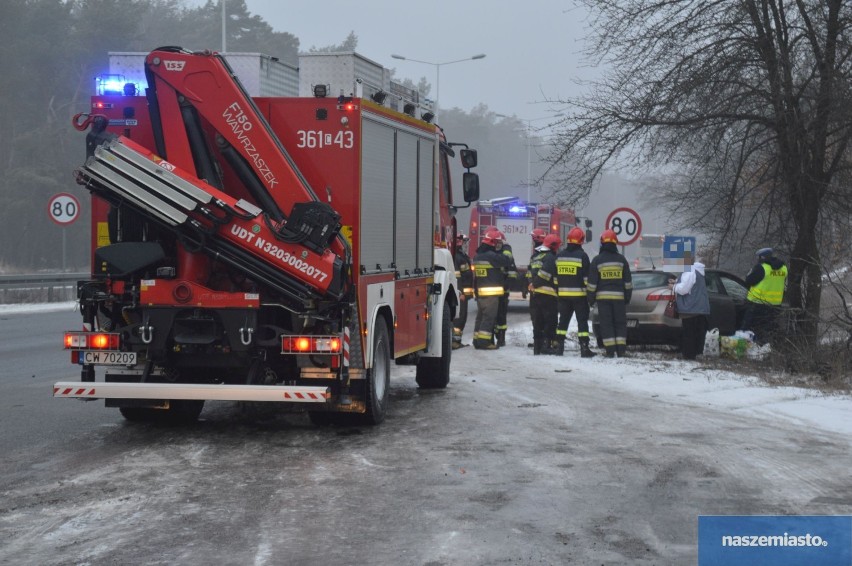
(511, 270)
(572, 271)
(464, 274)
(609, 276)
(770, 290)
(489, 272)
(544, 280)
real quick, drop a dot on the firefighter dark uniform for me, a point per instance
(511, 278)
(611, 286)
(464, 275)
(766, 283)
(543, 301)
(538, 236)
(572, 272)
(489, 268)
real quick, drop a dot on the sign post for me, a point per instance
(63, 209)
(626, 224)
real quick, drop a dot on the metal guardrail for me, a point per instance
(40, 287)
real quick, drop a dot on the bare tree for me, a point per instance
(747, 101)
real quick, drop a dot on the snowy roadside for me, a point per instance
(671, 380)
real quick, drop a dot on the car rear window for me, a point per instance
(648, 280)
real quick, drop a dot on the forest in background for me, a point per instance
(52, 52)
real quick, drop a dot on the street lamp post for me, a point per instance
(528, 132)
(438, 73)
(224, 34)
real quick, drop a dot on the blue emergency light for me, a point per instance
(115, 85)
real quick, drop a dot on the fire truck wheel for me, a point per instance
(185, 411)
(434, 373)
(378, 378)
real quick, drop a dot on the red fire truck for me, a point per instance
(517, 219)
(279, 249)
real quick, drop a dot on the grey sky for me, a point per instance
(532, 47)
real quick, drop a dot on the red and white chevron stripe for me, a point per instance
(305, 396)
(74, 392)
(346, 346)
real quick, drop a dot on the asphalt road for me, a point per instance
(506, 466)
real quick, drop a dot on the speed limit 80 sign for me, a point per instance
(63, 208)
(626, 224)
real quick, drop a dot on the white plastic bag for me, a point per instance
(745, 334)
(759, 352)
(711, 343)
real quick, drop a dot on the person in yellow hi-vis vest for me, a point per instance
(766, 282)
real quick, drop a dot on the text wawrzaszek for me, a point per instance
(240, 125)
(774, 540)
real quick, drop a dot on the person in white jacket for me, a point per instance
(693, 307)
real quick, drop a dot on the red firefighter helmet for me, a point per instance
(576, 236)
(538, 236)
(552, 241)
(492, 237)
(608, 237)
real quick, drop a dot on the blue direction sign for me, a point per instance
(678, 251)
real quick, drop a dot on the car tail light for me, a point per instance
(311, 344)
(660, 295)
(92, 341)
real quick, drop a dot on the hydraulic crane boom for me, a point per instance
(194, 87)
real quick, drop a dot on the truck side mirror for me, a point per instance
(470, 186)
(589, 235)
(468, 159)
(588, 223)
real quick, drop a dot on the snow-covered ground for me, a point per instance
(676, 381)
(667, 378)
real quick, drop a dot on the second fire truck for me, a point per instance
(516, 219)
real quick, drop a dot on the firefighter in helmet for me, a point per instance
(489, 270)
(543, 302)
(538, 236)
(572, 271)
(538, 252)
(511, 278)
(611, 286)
(464, 275)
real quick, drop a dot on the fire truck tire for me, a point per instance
(185, 411)
(378, 378)
(434, 373)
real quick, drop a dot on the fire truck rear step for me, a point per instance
(198, 392)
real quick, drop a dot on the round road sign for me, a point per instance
(63, 208)
(626, 224)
